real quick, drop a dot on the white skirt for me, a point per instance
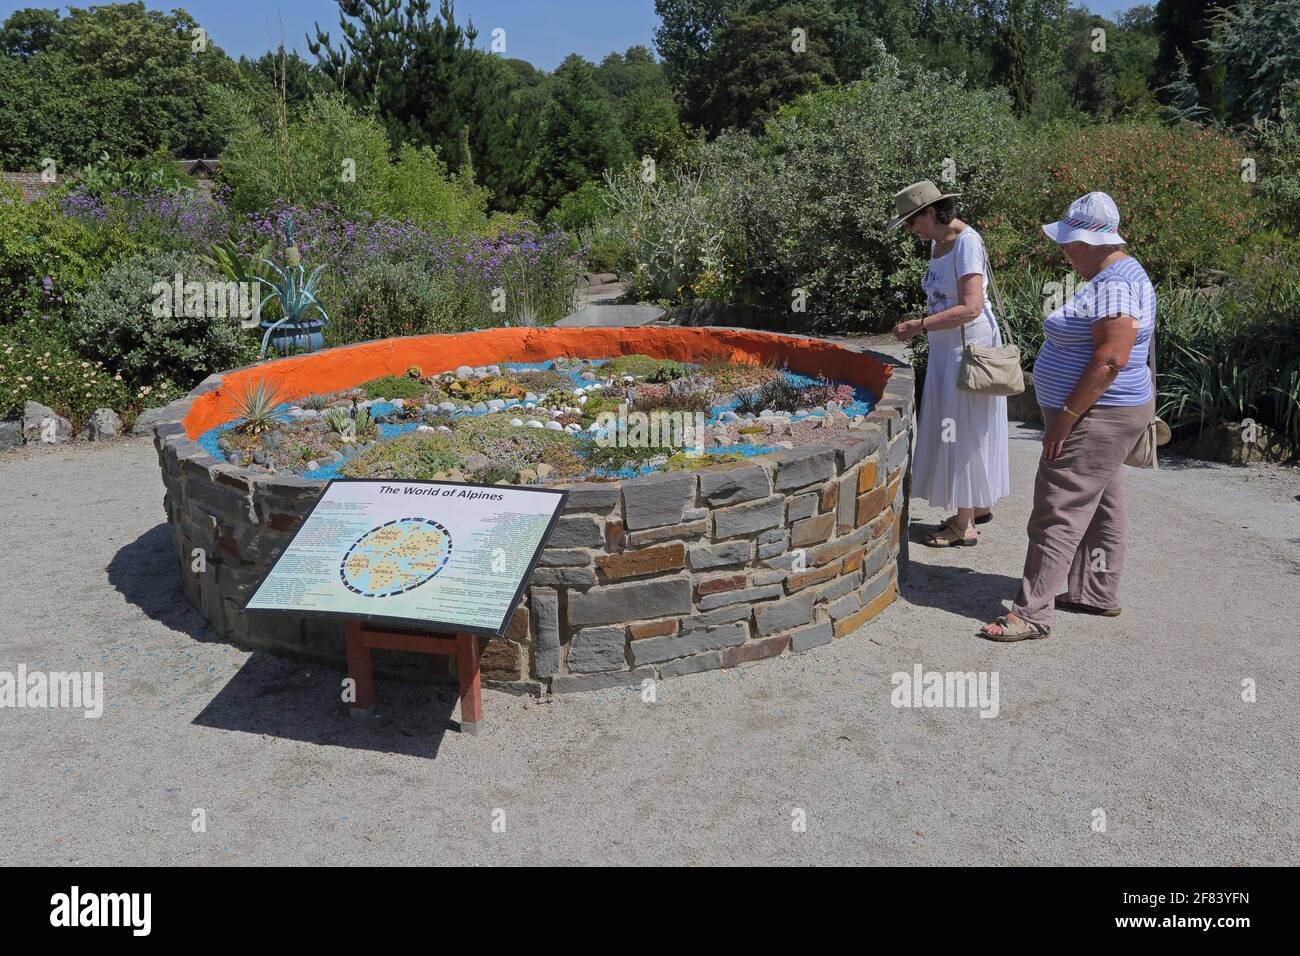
(961, 452)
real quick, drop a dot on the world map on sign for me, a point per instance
(396, 557)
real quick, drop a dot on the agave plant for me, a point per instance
(256, 406)
(350, 426)
(295, 292)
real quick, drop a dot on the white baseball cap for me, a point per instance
(1093, 219)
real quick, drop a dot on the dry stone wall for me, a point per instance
(652, 577)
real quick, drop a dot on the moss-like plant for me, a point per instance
(393, 386)
(684, 462)
(416, 455)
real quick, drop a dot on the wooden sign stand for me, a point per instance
(361, 640)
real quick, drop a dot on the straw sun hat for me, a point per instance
(913, 199)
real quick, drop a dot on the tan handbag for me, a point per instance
(1156, 433)
(990, 369)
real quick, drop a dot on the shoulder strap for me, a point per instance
(1000, 314)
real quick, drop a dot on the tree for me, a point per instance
(687, 30)
(1257, 45)
(1183, 26)
(761, 62)
(580, 135)
(114, 79)
(424, 79)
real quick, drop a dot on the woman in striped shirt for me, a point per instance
(1095, 388)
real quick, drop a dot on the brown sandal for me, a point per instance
(979, 519)
(1063, 604)
(937, 539)
(1032, 631)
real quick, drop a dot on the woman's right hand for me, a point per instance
(907, 330)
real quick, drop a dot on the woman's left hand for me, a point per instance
(907, 330)
(1054, 439)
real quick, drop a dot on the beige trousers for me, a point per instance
(1076, 531)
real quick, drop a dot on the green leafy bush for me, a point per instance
(115, 322)
(39, 364)
(393, 386)
(1180, 192)
(384, 298)
(798, 215)
(47, 259)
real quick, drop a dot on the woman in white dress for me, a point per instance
(960, 460)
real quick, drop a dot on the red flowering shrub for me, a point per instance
(1182, 200)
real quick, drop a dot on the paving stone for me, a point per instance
(755, 650)
(639, 630)
(801, 506)
(811, 636)
(783, 615)
(573, 683)
(734, 485)
(814, 530)
(616, 603)
(563, 577)
(874, 560)
(687, 531)
(870, 505)
(692, 665)
(564, 558)
(597, 649)
(706, 557)
(748, 518)
(597, 496)
(804, 466)
(748, 595)
(576, 531)
(652, 560)
(658, 499)
(655, 649)
(723, 615)
(719, 583)
(545, 605)
(849, 604)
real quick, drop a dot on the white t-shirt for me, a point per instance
(966, 257)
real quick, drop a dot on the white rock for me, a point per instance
(516, 422)
(398, 403)
(535, 424)
(424, 428)
(582, 400)
(554, 426)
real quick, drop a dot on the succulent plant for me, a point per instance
(256, 406)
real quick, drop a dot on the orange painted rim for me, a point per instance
(350, 365)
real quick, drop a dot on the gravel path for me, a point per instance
(1140, 716)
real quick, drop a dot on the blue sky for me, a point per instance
(540, 31)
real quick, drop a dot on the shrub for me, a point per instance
(1180, 193)
(385, 299)
(39, 364)
(799, 214)
(393, 386)
(583, 206)
(47, 260)
(115, 323)
(416, 455)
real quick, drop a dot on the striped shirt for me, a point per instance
(1121, 289)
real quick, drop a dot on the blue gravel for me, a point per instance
(863, 402)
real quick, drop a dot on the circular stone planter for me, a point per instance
(651, 577)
